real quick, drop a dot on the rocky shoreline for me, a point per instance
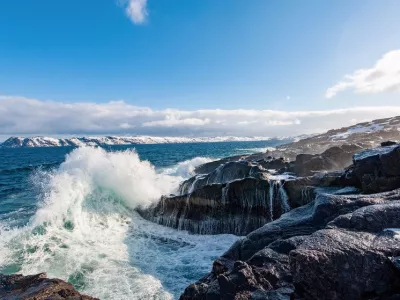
(343, 244)
(315, 224)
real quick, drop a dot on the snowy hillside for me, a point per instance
(17, 142)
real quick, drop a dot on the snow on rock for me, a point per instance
(39, 141)
(367, 128)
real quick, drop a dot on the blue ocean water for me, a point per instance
(70, 213)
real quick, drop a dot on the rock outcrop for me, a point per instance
(376, 170)
(333, 159)
(240, 196)
(337, 244)
(37, 287)
(237, 207)
(334, 248)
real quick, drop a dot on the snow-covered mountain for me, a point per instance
(40, 141)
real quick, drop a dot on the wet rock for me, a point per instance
(37, 287)
(334, 158)
(211, 166)
(238, 207)
(275, 164)
(334, 248)
(224, 173)
(388, 143)
(377, 170)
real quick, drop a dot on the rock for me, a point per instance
(388, 143)
(377, 170)
(334, 248)
(337, 264)
(211, 166)
(238, 207)
(332, 159)
(274, 164)
(349, 260)
(224, 173)
(37, 287)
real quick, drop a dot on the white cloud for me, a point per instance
(136, 10)
(23, 116)
(383, 77)
(174, 122)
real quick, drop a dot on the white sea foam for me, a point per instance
(256, 150)
(86, 232)
(185, 169)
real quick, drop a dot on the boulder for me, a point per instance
(332, 159)
(388, 143)
(224, 173)
(211, 166)
(37, 287)
(376, 170)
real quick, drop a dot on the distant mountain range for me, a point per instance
(41, 141)
(367, 134)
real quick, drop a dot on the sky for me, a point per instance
(198, 67)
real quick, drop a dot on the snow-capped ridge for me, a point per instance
(42, 141)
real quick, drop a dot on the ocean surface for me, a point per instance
(70, 212)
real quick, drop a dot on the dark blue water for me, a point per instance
(18, 194)
(105, 242)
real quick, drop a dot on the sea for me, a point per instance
(70, 212)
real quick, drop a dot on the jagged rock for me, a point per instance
(332, 159)
(279, 164)
(211, 166)
(238, 207)
(349, 260)
(333, 248)
(376, 170)
(388, 143)
(37, 287)
(224, 173)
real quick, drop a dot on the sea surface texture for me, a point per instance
(70, 212)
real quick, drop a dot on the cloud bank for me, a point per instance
(136, 10)
(383, 77)
(23, 116)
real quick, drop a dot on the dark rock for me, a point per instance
(341, 264)
(37, 287)
(274, 164)
(224, 173)
(211, 166)
(377, 170)
(334, 158)
(238, 207)
(333, 248)
(388, 143)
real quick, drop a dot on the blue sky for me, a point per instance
(195, 55)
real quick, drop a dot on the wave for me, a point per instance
(185, 169)
(256, 150)
(86, 232)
